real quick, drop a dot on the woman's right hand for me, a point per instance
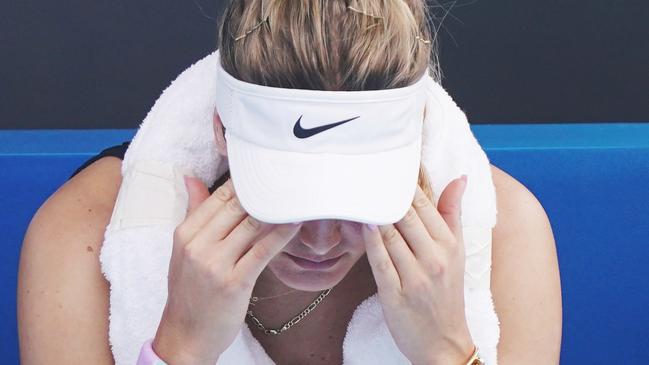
(218, 253)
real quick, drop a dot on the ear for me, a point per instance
(219, 135)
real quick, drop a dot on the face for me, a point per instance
(317, 240)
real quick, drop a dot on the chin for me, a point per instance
(302, 279)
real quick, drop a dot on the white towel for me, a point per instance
(176, 139)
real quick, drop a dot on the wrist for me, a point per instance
(148, 356)
(175, 350)
(450, 358)
(458, 351)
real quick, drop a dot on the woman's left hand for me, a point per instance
(418, 266)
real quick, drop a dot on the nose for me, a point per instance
(321, 235)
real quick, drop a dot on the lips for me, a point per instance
(316, 259)
(314, 265)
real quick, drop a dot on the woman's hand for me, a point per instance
(418, 266)
(218, 253)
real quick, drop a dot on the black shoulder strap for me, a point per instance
(116, 151)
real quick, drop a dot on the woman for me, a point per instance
(291, 45)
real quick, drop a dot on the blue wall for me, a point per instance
(591, 179)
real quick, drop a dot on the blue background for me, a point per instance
(591, 178)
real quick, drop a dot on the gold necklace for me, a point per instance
(294, 320)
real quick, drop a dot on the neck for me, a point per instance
(355, 287)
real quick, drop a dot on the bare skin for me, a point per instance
(63, 297)
(318, 338)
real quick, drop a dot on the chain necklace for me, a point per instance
(254, 299)
(294, 320)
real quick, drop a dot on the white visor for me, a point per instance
(298, 155)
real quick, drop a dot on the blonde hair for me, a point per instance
(330, 45)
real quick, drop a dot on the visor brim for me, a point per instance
(280, 187)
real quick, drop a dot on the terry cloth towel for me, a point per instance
(176, 138)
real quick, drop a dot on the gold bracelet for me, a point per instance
(475, 359)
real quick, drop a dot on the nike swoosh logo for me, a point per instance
(300, 132)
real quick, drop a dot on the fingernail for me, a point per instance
(372, 227)
(186, 178)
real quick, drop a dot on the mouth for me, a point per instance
(314, 265)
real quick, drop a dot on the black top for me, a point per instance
(119, 151)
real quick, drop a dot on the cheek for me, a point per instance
(353, 230)
(354, 235)
(357, 246)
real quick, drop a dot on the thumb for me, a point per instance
(197, 192)
(450, 206)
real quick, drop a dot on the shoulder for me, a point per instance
(515, 201)
(60, 273)
(525, 276)
(81, 205)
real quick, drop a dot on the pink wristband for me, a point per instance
(148, 356)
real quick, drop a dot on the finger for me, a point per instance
(253, 262)
(205, 211)
(450, 206)
(412, 229)
(385, 274)
(431, 217)
(243, 237)
(402, 257)
(225, 221)
(197, 192)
